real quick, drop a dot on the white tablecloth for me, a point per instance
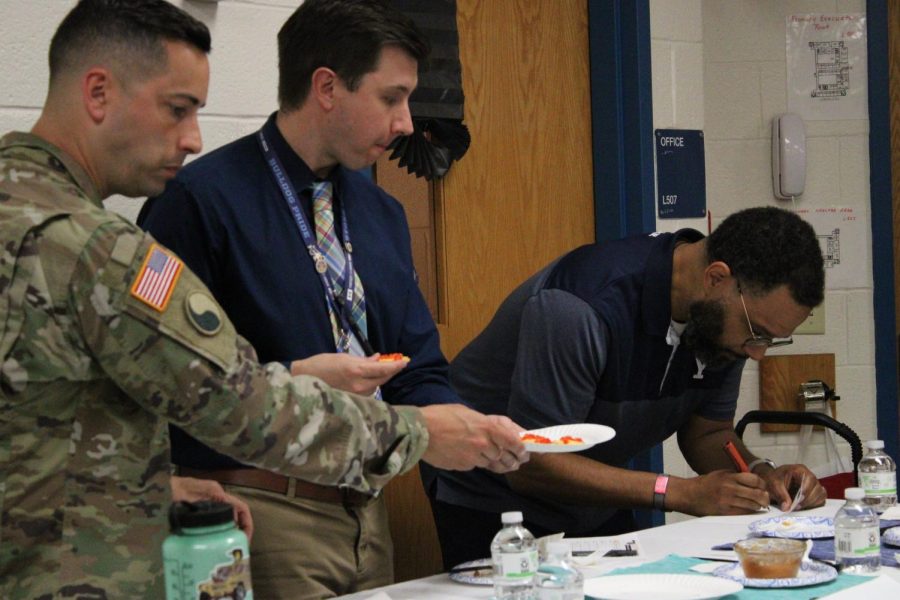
(694, 537)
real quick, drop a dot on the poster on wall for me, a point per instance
(842, 237)
(826, 66)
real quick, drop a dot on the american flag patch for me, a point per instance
(156, 279)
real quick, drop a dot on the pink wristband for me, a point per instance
(659, 491)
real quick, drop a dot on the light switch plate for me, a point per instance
(814, 323)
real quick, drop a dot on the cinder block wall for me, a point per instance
(243, 65)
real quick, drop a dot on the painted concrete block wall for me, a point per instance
(733, 98)
(243, 66)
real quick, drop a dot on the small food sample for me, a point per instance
(565, 440)
(394, 356)
(770, 558)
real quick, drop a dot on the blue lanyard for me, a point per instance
(340, 307)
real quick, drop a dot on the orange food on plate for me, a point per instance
(539, 439)
(536, 439)
(570, 439)
(392, 357)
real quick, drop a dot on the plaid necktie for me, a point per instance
(323, 215)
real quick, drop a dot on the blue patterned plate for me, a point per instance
(810, 573)
(793, 526)
(892, 536)
(476, 572)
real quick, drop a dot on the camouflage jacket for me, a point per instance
(92, 369)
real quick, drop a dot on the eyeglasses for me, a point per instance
(760, 341)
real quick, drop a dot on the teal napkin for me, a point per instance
(681, 564)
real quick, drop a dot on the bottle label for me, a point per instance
(857, 543)
(222, 573)
(519, 565)
(879, 484)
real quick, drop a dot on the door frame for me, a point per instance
(622, 134)
(881, 214)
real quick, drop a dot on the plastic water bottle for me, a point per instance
(206, 556)
(515, 559)
(557, 578)
(878, 477)
(857, 540)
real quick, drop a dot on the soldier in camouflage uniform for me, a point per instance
(94, 365)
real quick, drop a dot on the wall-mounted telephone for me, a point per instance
(788, 156)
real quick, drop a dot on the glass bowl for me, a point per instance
(770, 558)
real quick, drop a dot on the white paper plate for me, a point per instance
(794, 526)
(659, 586)
(592, 434)
(892, 536)
(481, 576)
(810, 573)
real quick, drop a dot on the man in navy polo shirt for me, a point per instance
(648, 335)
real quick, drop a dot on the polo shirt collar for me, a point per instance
(298, 171)
(656, 300)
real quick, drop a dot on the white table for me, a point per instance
(694, 537)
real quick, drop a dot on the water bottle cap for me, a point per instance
(514, 516)
(875, 444)
(854, 493)
(199, 514)
(558, 547)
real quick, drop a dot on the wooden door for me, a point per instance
(520, 197)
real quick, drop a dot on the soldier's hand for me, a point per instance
(356, 374)
(461, 439)
(189, 489)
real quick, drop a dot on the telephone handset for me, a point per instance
(788, 156)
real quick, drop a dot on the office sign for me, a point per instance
(680, 174)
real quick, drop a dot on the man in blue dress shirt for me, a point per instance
(243, 219)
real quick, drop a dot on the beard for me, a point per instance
(703, 334)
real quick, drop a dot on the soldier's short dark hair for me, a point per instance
(127, 34)
(345, 36)
(767, 247)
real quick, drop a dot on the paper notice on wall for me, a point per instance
(842, 239)
(826, 66)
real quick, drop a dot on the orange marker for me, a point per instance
(735, 457)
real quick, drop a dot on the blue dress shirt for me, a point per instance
(226, 217)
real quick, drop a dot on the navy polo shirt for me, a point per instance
(585, 341)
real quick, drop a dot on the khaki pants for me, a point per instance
(306, 549)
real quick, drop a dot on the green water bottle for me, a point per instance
(206, 557)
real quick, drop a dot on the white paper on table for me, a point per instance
(891, 514)
(589, 549)
(379, 596)
(880, 587)
(706, 567)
